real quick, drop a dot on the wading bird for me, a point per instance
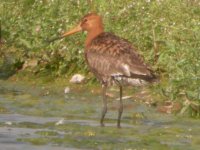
(111, 59)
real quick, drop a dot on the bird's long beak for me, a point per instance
(78, 28)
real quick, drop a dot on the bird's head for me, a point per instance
(90, 23)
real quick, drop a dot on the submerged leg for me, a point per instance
(120, 107)
(104, 110)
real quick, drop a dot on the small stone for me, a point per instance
(77, 78)
(37, 29)
(67, 89)
(169, 107)
(60, 122)
(30, 63)
(46, 93)
(8, 123)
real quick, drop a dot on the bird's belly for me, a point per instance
(130, 81)
(122, 80)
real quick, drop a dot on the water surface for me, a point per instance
(39, 117)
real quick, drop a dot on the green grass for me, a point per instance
(166, 32)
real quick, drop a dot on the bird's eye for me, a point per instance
(85, 20)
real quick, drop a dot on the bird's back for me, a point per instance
(110, 56)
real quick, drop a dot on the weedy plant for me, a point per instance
(166, 32)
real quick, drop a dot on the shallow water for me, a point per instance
(37, 117)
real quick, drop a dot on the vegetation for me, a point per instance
(166, 32)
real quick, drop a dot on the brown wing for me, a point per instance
(109, 55)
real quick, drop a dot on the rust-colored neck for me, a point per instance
(94, 32)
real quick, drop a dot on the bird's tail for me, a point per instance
(153, 78)
(139, 80)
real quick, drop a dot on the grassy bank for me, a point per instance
(166, 32)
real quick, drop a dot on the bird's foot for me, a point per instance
(118, 126)
(102, 124)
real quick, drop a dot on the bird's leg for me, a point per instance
(104, 110)
(120, 107)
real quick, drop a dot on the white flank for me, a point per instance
(126, 69)
(136, 82)
(116, 74)
(138, 72)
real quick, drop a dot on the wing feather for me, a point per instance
(110, 55)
